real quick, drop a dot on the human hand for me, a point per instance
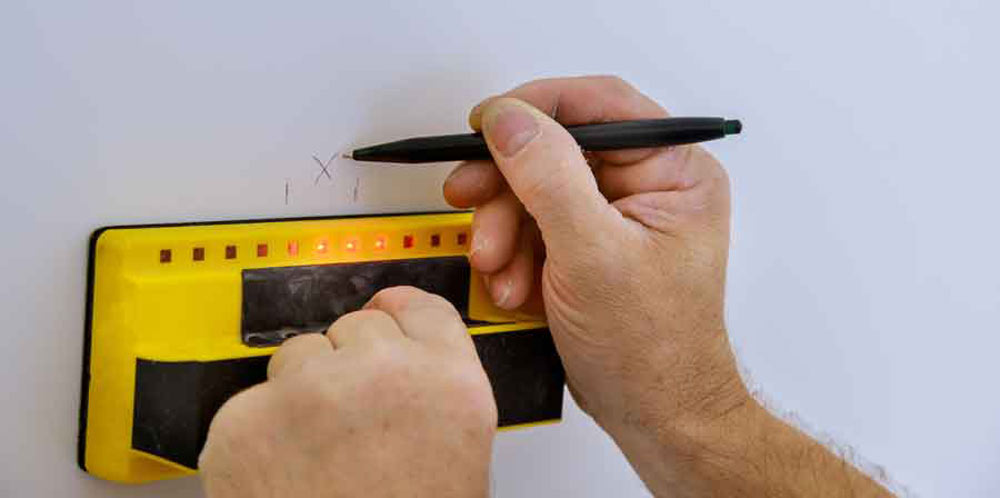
(391, 401)
(627, 253)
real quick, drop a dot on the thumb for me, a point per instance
(546, 170)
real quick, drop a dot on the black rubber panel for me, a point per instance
(175, 401)
(526, 374)
(282, 302)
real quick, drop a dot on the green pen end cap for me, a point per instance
(732, 127)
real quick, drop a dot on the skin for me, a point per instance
(391, 401)
(623, 252)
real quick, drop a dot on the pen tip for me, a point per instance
(347, 155)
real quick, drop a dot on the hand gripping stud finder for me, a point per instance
(181, 317)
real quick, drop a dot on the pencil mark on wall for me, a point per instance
(354, 193)
(286, 191)
(324, 168)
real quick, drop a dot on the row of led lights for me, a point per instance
(322, 247)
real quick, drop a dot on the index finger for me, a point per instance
(423, 317)
(585, 100)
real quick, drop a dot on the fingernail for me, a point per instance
(502, 292)
(455, 173)
(476, 114)
(479, 242)
(511, 127)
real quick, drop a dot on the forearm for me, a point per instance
(744, 452)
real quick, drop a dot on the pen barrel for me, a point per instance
(648, 133)
(462, 147)
(595, 137)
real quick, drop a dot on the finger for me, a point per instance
(673, 169)
(534, 306)
(423, 317)
(584, 100)
(494, 232)
(363, 328)
(544, 167)
(473, 183)
(295, 352)
(511, 286)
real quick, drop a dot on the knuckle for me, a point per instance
(614, 81)
(395, 295)
(439, 303)
(431, 305)
(619, 90)
(382, 295)
(367, 317)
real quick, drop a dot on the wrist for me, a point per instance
(745, 451)
(693, 453)
(665, 397)
(698, 428)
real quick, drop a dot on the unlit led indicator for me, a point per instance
(435, 240)
(380, 243)
(462, 238)
(261, 250)
(407, 241)
(293, 248)
(165, 255)
(230, 252)
(198, 254)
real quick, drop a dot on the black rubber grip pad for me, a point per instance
(175, 401)
(282, 302)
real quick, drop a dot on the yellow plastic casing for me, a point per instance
(151, 298)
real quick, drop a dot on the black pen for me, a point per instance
(593, 137)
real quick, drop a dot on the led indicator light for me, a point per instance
(462, 238)
(407, 241)
(230, 252)
(351, 245)
(380, 243)
(198, 254)
(321, 247)
(261, 250)
(165, 255)
(293, 248)
(435, 240)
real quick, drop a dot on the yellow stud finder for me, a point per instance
(181, 317)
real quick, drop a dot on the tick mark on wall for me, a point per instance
(324, 171)
(354, 193)
(286, 191)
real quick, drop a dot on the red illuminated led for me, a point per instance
(380, 243)
(261, 250)
(230, 252)
(293, 248)
(407, 241)
(462, 238)
(351, 245)
(198, 254)
(435, 240)
(165, 255)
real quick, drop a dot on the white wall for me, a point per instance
(864, 290)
